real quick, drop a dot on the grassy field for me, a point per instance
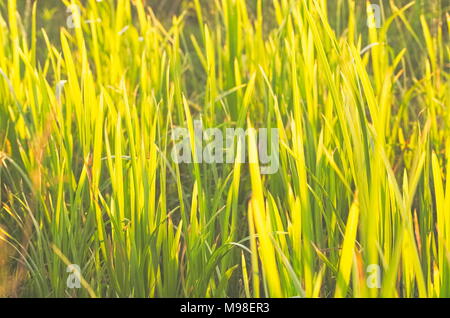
(358, 207)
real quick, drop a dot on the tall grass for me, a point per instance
(363, 116)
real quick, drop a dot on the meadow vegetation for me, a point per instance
(86, 175)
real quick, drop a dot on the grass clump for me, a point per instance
(363, 185)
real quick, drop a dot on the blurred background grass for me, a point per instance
(52, 15)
